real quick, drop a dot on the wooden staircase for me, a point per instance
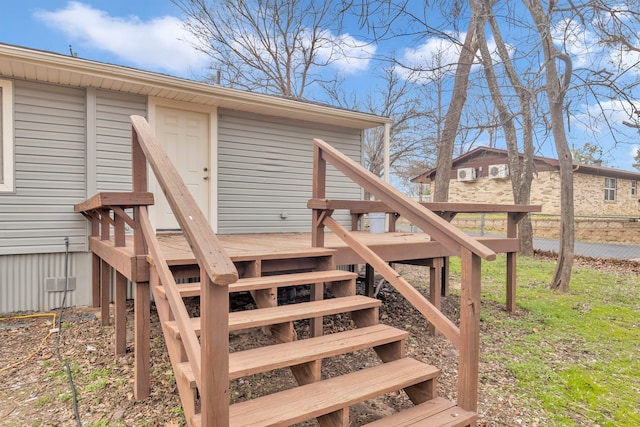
(326, 399)
(199, 346)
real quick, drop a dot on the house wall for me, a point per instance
(265, 168)
(50, 177)
(71, 143)
(113, 138)
(50, 171)
(589, 197)
(588, 193)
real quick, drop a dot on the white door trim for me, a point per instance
(153, 103)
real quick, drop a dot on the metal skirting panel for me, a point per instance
(22, 281)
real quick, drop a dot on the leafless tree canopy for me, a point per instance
(270, 46)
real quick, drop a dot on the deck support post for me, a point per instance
(142, 303)
(120, 313)
(469, 330)
(512, 232)
(142, 337)
(214, 338)
(95, 280)
(105, 292)
(435, 282)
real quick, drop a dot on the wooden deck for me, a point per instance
(411, 248)
(218, 266)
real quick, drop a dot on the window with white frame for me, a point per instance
(6, 135)
(610, 189)
(634, 188)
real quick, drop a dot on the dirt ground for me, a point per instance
(35, 390)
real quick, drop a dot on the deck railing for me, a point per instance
(216, 273)
(467, 337)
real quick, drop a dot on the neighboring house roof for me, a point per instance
(540, 164)
(47, 67)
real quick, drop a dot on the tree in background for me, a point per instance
(589, 154)
(520, 167)
(278, 47)
(636, 159)
(399, 99)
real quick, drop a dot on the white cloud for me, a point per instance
(433, 59)
(347, 54)
(437, 58)
(159, 44)
(579, 43)
(597, 117)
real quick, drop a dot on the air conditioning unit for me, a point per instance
(466, 174)
(498, 171)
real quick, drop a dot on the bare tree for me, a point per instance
(555, 87)
(270, 46)
(399, 99)
(452, 120)
(521, 172)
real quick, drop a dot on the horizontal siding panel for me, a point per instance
(43, 231)
(122, 179)
(24, 112)
(42, 175)
(62, 145)
(113, 145)
(36, 185)
(64, 202)
(108, 132)
(5, 216)
(49, 136)
(49, 126)
(264, 168)
(114, 166)
(50, 170)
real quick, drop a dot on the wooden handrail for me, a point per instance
(470, 251)
(424, 306)
(217, 271)
(187, 334)
(451, 237)
(368, 206)
(204, 243)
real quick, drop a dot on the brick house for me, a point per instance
(482, 176)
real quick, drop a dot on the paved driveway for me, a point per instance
(596, 250)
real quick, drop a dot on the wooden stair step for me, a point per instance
(312, 400)
(267, 282)
(278, 356)
(438, 412)
(286, 313)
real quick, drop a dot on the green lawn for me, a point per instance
(576, 355)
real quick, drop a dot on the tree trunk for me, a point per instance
(521, 173)
(556, 88)
(452, 120)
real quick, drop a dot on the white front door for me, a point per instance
(185, 137)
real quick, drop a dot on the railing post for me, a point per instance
(469, 330)
(512, 232)
(142, 305)
(318, 192)
(214, 342)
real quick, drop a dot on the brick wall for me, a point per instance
(588, 194)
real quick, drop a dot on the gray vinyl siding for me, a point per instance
(50, 171)
(113, 138)
(22, 281)
(265, 168)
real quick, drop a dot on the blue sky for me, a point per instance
(148, 35)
